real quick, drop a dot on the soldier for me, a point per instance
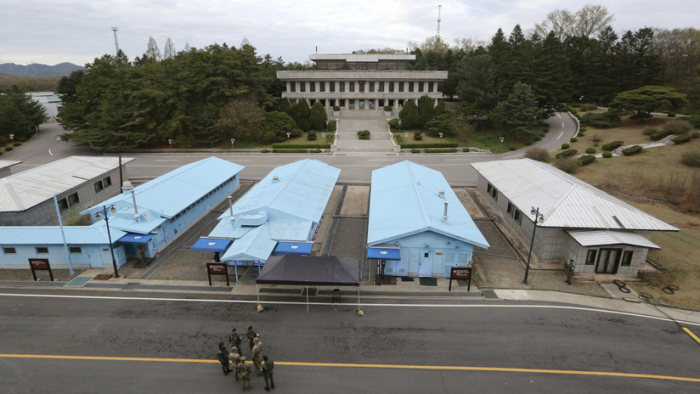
(224, 358)
(244, 375)
(256, 355)
(267, 373)
(569, 271)
(251, 334)
(234, 341)
(236, 360)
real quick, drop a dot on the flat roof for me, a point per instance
(365, 57)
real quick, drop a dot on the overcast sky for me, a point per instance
(77, 31)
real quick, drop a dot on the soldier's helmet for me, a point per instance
(242, 358)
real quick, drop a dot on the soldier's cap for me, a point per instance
(221, 344)
(256, 339)
(242, 358)
(233, 329)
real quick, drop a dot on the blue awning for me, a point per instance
(384, 253)
(299, 248)
(211, 245)
(138, 239)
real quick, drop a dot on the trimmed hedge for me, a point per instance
(336, 108)
(445, 150)
(681, 139)
(565, 146)
(590, 149)
(417, 136)
(290, 150)
(300, 146)
(574, 139)
(399, 139)
(607, 155)
(9, 148)
(311, 135)
(363, 134)
(632, 150)
(586, 160)
(265, 151)
(431, 145)
(415, 150)
(611, 146)
(661, 134)
(567, 153)
(387, 108)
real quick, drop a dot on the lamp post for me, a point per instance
(109, 235)
(440, 135)
(12, 138)
(501, 138)
(288, 134)
(400, 128)
(170, 142)
(538, 218)
(327, 122)
(232, 141)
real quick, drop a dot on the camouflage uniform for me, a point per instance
(256, 355)
(244, 375)
(267, 373)
(251, 334)
(236, 360)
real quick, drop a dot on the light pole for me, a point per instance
(232, 141)
(109, 235)
(12, 138)
(170, 142)
(440, 135)
(288, 134)
(327, 122)
(400, 128)
(538, 218)
(501, 138)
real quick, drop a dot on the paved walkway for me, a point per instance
(350, 122)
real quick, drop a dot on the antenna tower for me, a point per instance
(116, 43)
(439, 9)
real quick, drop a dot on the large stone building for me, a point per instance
(361, 82)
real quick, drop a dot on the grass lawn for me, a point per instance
(630, 131)
(647, 181)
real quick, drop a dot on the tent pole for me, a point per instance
(359, 307)
(235, 267)
(307, 299)
(257, 292)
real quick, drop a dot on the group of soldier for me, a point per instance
(263, 365)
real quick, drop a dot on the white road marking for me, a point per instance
(50, 152)
(367, 304)
(559, 115)
(562, 125)
(168, 160)
(58, 138)
(560, 134)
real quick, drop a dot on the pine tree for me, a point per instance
(426, 110)
(301, 114)
(409, 115)
(318, 117)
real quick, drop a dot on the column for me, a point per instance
(435, 85)
(288, 90)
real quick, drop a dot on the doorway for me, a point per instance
(425, 266)
(608, 261)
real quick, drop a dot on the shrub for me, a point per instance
(300, 146)
(650, 131)
(691, 159)
(290, 150)
(417, 136)
(678, 127)
(574, 139)
(607, 155)
(694, 120)
(567, 153)
(420, 145)
(465, 150)
(0, 152)
(659, 135)
(601, 120)
(581, 134)
(363, 134)
(590, 149)
(311, 135)
(611, 146)
(17, 144)
(444, 150)
(539, 154)
(315, 151)
(336, 108)
(414, 150)
(588, 107)
(394, 123)
(582, 129)
(597, 139)
(695, 134)
(9, 148)
(568, 165)
(681, 139)
(399, 139)
(586, 160)
(632, 150)
(265, 151)
(387, 108)
(512, 148)
(565, 146)
(671, 115)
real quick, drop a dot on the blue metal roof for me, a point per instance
(384, 253)
(254, 245)
(405, 200)
(182, 187)
(301, 248)
(211, 245)
(300, 192)
(135, 239)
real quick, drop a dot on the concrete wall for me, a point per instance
(92, 256)
(444, 253)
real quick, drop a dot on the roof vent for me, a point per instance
(444, 216)
(619, 223)
(441, 193)
(275, 178)
(127, 187)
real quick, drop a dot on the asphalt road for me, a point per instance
(458, 346)
(47, 147)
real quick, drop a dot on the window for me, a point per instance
(590, 257)
(400, 86)
(627, 258)
(492, 191)
(73, 199)
(352, 86)
(426, 254)
(302, 86)
(391, 87)
(9, 250)
(381, 87)
(42, 250)
(293, 87)
(518, 216)
(421, 86)
(98, 186)
(342, 86)
(312, 86)
(371, 86)
(321, 86)
(62, 204)
(511, 208)
(107, 182)
(430, 86)
(75, 249)
(362, 86)
(331, 86)
(410, 86)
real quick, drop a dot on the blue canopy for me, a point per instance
(137, 239)
(211, 245)
(299, 248)
(384, 253)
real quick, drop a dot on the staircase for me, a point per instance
(352, 121)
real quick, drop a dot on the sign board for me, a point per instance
(217, 269)
(461, 273)
(40, 265)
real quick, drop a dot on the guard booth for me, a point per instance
(382, 255)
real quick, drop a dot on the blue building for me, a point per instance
(142, 220)
(281, 214)
(417, 225)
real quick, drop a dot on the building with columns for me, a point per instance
(361, 82)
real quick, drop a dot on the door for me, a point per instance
(608, 261)
(425, 266)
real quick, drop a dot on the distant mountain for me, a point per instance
(39, 70)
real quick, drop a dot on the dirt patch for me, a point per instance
(465, 197)
(356, 202)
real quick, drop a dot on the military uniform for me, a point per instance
(256, 355)
(570, 271)
(267, 373)
(236, 360)
(244, 375)
(234, 341)
(223, 356)
(251, 334)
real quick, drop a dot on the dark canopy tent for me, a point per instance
(311, 271)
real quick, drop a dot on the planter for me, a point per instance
(387, 114)
(336, 113)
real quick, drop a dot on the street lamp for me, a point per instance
(538, 218)
(501, 138)
(170, 142)
(400, 128)
(109, 235)
(12, 138)
(440, 135)
(232, 141)
(327, 122)
(288, 134)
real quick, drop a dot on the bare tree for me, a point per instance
(586, 22)
(169, 50)
(468, 44)
(153, 52)
(679, 50)
(187, 47)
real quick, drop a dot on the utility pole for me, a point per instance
(439, 9)
(116, 43)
